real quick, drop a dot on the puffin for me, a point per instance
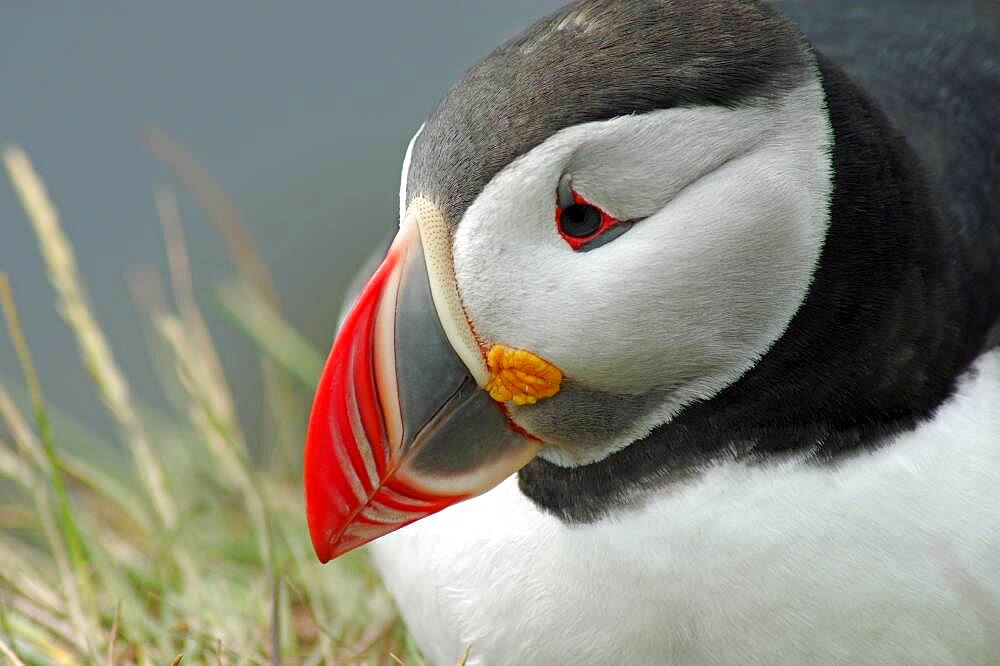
(687, 347)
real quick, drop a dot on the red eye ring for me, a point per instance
(578, 242)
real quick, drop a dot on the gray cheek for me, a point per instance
(584, 423)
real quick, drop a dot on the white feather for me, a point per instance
(405, 173)
(891, 557)
(735, 203)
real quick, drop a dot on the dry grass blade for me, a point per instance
(31, 449)
(11, 466)
(222, 212)
(255, 587)
(220, 441)
(465, 655)
(187, 306)
(70, 584)
(250, 265)
(17, 339)
(46, 621)
(192, 374)
(10, 654)
(114, 635)
(276, 621)
(64, 540)
(23, 578)
(272, 333)
(94, 348)
(51, 460)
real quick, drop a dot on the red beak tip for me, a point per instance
(321, 546)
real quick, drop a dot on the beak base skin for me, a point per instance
(400, 428)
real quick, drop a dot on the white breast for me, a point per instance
(890, 557)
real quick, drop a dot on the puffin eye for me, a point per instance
(583, 225)
(579, 220)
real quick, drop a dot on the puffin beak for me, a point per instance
(401, 425)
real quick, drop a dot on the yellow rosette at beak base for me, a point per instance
(518, 376)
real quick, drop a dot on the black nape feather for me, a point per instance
(903, 300)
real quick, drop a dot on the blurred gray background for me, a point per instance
(302, 112)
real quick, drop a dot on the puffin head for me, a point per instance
(614, 215)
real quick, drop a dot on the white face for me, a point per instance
(733, 209)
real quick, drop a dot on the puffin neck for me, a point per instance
(888, 325)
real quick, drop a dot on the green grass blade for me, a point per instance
(66, 520)
(273, 335)
(93, 345)
(224, 573)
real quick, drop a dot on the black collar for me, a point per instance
(892, 319)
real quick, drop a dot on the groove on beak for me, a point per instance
(401, 427)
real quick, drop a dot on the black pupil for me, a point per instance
(580, 220)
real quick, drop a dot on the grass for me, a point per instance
(176, 542)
